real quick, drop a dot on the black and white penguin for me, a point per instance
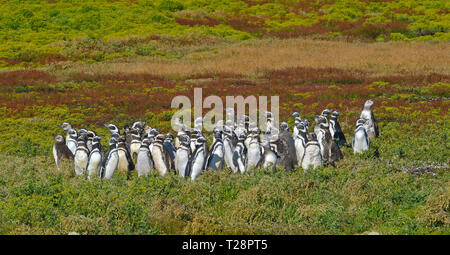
(300, 142)
(113, 129)
(323, 135)
(183, 157)
(95, 158)
(360, 141)
(198, 158)
(112, 160)
(144, 160)
(89, 137)
(336, 131)
(228, 146)
(254, 151)
(170, 147)
(66, 127)
(313, 156)
(297, 119)
(61, 151)
(134, 136)
(126, 164)
(160, 155)
(240, 154)
(370, 125)
(214, 160)
(81, 157)
(139, 126)
(71, 141)
(326, 113)
(270, 157)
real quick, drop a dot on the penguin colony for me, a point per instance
(239, 145)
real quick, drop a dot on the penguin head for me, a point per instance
(269, 116)
(200, 141)
(139, 125)
(368, 104)
(147, 129)
(284, 126)
(146, 142)
(360, 122)
(82, 131)
(73, 133)
(169, 136)
(306, 122)
(116, 136)
(217, 133)
(66, 126)
(297, 120)
(325, 113)
(295, 115)
(335, 115)
(159, 138)
(320, 119)
(301, 127)
(185, 140)
(126, 128)
(112, 128)
(90, 134)
(242, 136)
(96, 139)
(59, 139)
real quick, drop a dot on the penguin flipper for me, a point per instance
(130, 160)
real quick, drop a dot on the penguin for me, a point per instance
(198, 158)
(313, 156)
(135, 143)
(126, 164)
(286, 138)
(323, 135)
(228, 148)
(112, 160)
(89, 136)
(214, 160)
(183, 157)
(71, 141)
(139, 126)
(297, 120)
(160, 155)
(254, 151)
(300, 142)
(240, 154)
(270, 157)
(81, 157)
(170, 147)
(66, 127)
(113, 129)
(336, 131)
(360, 141)
(370, 125)
(95, 158)
(144, 160)
(61, 151)
(152, 135)
(325, 113)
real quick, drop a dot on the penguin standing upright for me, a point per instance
(300, 143)
(71, 141)
(313, 156)
(95, 158)
(289, 158)
(66, 127)
(361, 140)
(183, 157)
(370, 125)
(325, 113)
(198, 158)
(61, 151)
(126, 164)
(297, 120)
(215, 156)
(160, 155)
(240, 154)
(113, 129)
(323, 135)
(254, 151)
(112, 160)
(81, 157)
(135, 143)
(336, 131)
(228, 147)
(89, 137)
(270, 157)
(144, 160)
(170, 147)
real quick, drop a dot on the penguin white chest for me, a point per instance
(94, 164)
(312, 157)
(360, 143)
(253, 155)
(158, 160)
(300, 150)
(197, 164)
(123, 162)
(81, 162)
(181, 161)
(111, 165)
(143, 164)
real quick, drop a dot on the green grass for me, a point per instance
(362, 194)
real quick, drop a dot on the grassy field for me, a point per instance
(92, 62)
